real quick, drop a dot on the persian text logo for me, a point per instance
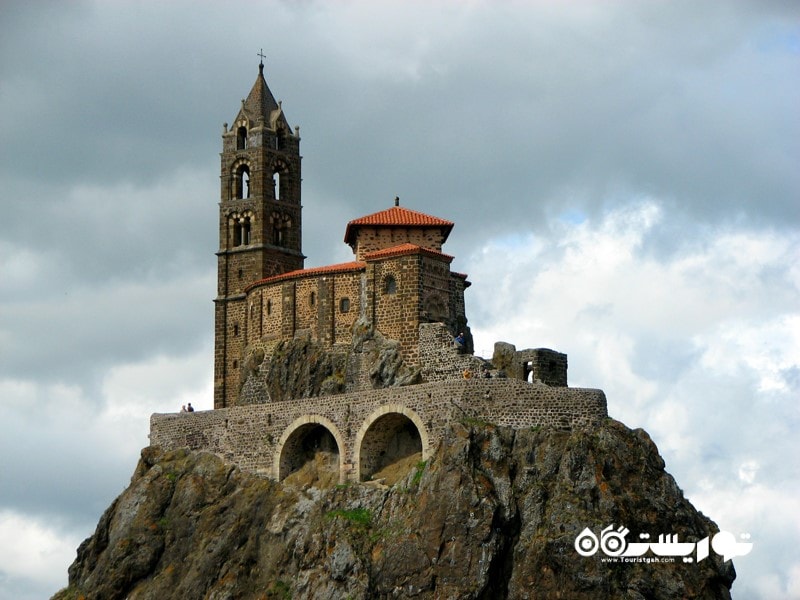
(614, 544)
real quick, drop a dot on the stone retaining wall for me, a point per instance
(253, 437)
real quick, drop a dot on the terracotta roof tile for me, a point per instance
(462, 276)
(312, 272)
(396, 216)
(403, 249)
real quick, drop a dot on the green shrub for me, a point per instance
(358, 516)
(420, 470)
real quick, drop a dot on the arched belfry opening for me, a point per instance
(276, 185)
(280, 180)
(280, 138)
(281, 227)
(241, 231)
(389, 449)
(310, 456)
(241, 182)
(241, 138)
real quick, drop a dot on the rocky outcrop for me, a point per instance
(504, 359)
(300, 368)
(303, 368)
(494, 514)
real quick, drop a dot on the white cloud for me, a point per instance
(33, 554)
(748, 471)
(80, 446)
(769, 348)
(158, 384)
(701, 348)
(58, 441)
(769, 514)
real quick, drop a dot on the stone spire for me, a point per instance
(260, 105)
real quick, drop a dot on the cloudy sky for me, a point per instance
(623, 177)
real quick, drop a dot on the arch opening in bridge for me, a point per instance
(390, 445)
(309, 453)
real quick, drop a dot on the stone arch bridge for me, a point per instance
(364, 430)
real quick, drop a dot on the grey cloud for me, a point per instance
(24, 589)
(76, 335)
(639, 100)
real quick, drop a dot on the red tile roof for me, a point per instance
(396, 216)
(312, 272)
(403, 249)
(461, 276)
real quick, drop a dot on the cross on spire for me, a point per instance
(261, 64)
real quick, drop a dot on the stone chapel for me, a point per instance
(398, 280)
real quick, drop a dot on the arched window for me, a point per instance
(277, 234)
(269, 307)
(281, 225)
(241, 229)
(237, 232)
(242, 182)
(280, 180)
(245, 224)
(276, 184)
(344, 305)
(241, 138)
(312, 299)
(390, 286)
(286, 227)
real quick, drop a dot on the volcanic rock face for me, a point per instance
(302, 368)
(494, 514)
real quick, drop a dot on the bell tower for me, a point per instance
(259, 222)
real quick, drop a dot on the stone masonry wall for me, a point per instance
(547, 366)
(441, 359)
(345, 307)
(229, 335)
(371, 239)
(437, 303)
(253, 436)
(397, 316)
